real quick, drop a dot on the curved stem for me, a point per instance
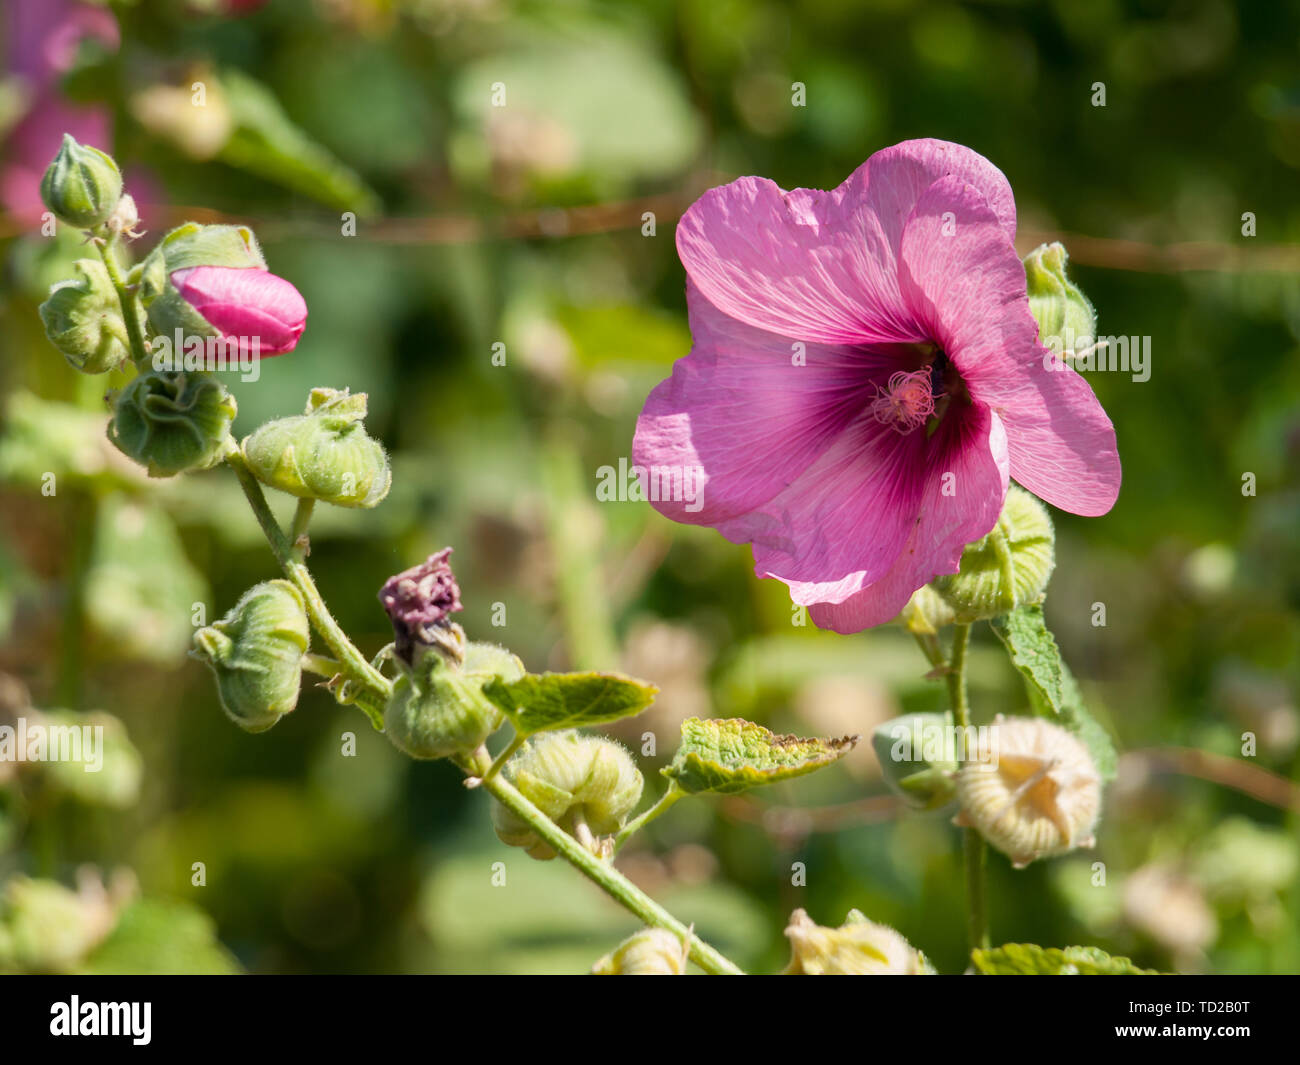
(500, 760)
(973, 846)
(298, 530)
(637, 823)
(352, 662)
(604, 875)
(320, 665)
(126, 298)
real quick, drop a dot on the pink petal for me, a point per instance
(246, 303)
(961, 277)
(842, 524)
(741, 418)
(822, 266)
(973, 448)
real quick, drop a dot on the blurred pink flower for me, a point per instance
(865, 377)
(246, 304)
(43, 39)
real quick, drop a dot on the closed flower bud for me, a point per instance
(82, 185)
(585, 784)
(83, 319)
(650, 952)
(1006, 569)
(926, 612)
(437, 708)
(918, 758)
(1031, 789)
(256, 653)
(212, 281)
(1063, 313)
(323, 454)
(857, 948)
(172, 422)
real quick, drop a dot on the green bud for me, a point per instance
(437, 708)
(1006, 569)
(926, 612)
(171, 421)
(187, 246)
(83, 319)
(256, 653)
(585, 784)
(650, 952)
(918, 757)
(82, 185)
(857, 948)
(323, 454)
(46, 927)
(1063, 313)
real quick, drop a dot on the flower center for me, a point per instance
(906, 402)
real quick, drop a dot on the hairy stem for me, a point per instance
(125, 297)
(973, 846)
(353, 663)
(604, 875)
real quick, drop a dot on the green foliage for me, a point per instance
(733, 755)
(1028, 959)
(543, 702)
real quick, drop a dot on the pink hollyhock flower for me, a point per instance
(865, 377)
(245, 304)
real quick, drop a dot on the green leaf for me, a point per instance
(732, 755)
(1053, 691)
(1029, 959)
(541, 702)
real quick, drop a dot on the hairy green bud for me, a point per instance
(172, 421)
(323, 454)
(585, 784)
(918, 758)
(1006, 569)
(437, 708)
(83, 319)
(256, 652)
(1063, 312)
(82, 185)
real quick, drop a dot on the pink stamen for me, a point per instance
(906, 402)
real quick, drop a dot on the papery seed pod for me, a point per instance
(1006, 569)
(857, 948)
(437, 708)
(650, 952)
(82, 185)
(1031, 789)
(323, 454)
(83, 319)
(1062, 311)
(212, 281)
(585, 784)
(170, 422)
(256, 653)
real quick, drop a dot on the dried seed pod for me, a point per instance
(857, 948)
(1032, 790)
(650, 952)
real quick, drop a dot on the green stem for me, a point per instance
(126, 298)
(298, 530)
(352, 662)
(605, 876)
(973, 846)
(637, 823)
(320, 665)
(500, 760)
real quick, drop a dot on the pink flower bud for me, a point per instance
(245, 304)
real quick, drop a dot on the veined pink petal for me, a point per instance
(973, 449)
(744, 414)
(841, 525)
(245, 303)
(822, 266)
(961, 276)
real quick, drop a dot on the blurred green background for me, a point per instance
(526, 226)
